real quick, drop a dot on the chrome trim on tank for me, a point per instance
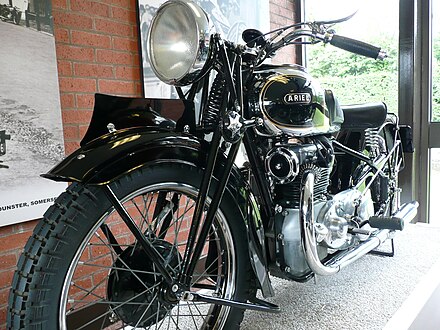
(283, 74)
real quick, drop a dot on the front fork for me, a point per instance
(232, 128)
(199, 229)
(194, 248)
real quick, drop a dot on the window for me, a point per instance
(435, 116)
(353, 78)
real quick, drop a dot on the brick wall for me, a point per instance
(282, 13)
(97, 51)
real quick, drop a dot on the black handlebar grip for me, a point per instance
(357, 47)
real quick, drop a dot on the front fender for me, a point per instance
(112, 155)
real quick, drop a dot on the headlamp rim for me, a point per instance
(201, 30)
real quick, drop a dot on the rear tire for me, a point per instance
(73, 270)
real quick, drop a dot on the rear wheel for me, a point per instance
(83, 268)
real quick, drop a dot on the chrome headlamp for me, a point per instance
(178, 42)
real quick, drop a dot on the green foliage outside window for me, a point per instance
(356, 79)
(436, 79)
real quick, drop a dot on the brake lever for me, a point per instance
(336, 21)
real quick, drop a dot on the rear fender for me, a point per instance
(113, 155)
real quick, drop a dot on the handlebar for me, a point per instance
(310, 33)
(357, 47)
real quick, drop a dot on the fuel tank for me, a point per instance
(290, 101)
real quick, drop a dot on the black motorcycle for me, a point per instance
(10, 13)
(162, 229)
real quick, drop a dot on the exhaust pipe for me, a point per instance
(407, 213)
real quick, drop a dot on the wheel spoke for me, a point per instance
(205, 274)
(143, 216)
(121, 269)
(101, 301)
(171, 317)
(88, 292)
(198, 310)
(180, 218)
(111, 238)
(192, 316)
(110, 311)
(145, 312)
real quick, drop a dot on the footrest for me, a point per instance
(391, 223)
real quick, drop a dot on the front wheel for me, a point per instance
(83, 268)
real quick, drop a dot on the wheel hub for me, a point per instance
(135, 284)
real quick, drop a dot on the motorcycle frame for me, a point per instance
(373, 167)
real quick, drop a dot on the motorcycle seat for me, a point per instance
(363, 116)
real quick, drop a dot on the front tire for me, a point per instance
(83, 269)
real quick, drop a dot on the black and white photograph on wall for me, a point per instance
(31, 135)
(229, 18)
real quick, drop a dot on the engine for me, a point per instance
(299, 118)
(286, 164)
(336, 216)
(295, 139)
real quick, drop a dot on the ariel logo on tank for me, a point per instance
(297, 98)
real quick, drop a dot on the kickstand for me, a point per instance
(384, 253)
